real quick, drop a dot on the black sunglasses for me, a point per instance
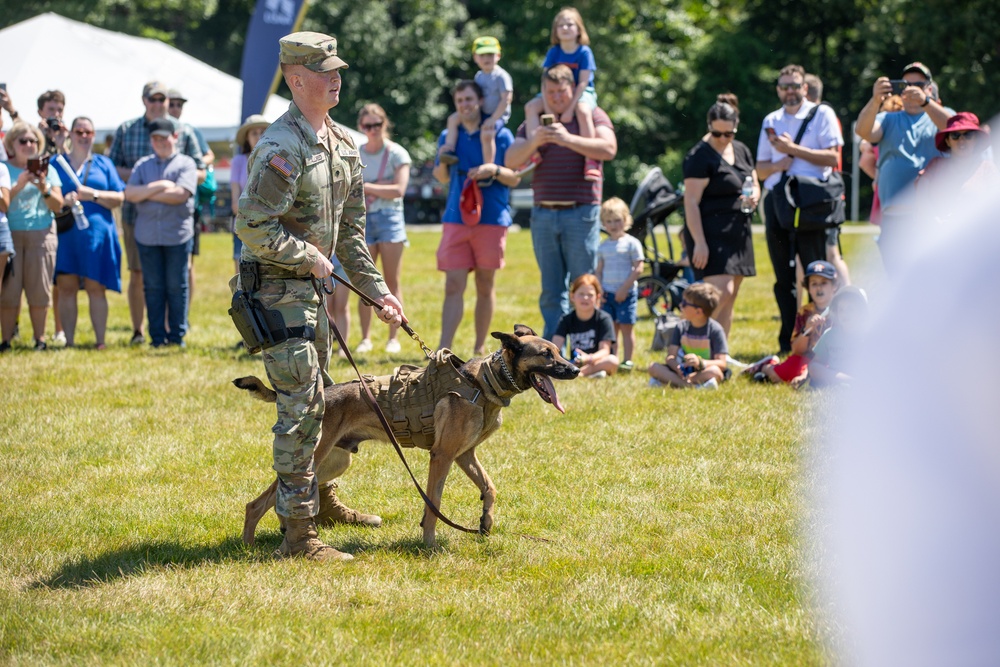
(24, 141)
(963, 134)
(157, 100)
(717, 134)
(370, 126)
(789, 86)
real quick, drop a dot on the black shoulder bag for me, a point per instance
(807, 203)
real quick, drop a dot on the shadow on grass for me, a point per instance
(142, 558)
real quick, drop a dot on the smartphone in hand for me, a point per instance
(898, 86)
(548, 119)
(771, 134)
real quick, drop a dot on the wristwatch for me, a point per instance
(926, 101)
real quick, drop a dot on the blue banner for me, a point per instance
(272, 20)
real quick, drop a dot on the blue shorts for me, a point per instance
(385, 225)
(623, 312)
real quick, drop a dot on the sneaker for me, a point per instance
(532, 162)
(100, 346)
(598, 375)
(40, 345)
(625, 367)
(393, 346)
(137, 338)
(364, 346)
(759, 376)
(448, 158)
(735, 365)
(709, 384)
(592, 171)
(4, 347)
(59, 338)
(757, 366)
(653, 382)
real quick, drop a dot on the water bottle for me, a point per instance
(79, 216)
(747, 193)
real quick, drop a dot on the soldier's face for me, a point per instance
(319, 87)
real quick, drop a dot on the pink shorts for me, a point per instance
(791, 368)
(477, 247)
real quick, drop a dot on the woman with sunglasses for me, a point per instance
(93, 255)
(34, 197)
(386, 174)
(963, 142)
(716, 230)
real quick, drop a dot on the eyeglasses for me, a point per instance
(371, 126)
(918, 84)
(176, 103)
(685, 303)
(83, 133)
(789, 86)
(964, 134)
(717, 134)
(159, 99)
(24, 141)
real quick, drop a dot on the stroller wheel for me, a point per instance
(655, 292)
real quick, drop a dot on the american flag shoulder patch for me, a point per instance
(281, 165)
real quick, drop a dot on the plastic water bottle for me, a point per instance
(747, 193)
(79, 216)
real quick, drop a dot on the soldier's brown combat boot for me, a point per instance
(332, 511)
(301, 539)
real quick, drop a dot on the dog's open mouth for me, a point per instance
(543, 385)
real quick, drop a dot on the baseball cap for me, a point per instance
(484, 45)
(820, 268)
(175, 94)
(313, 50)
(919, 67)
(154, 88)
(163, 127)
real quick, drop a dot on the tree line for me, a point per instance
(660, 64)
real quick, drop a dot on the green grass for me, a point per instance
(671, 518)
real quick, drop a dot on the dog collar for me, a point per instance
(495, 382)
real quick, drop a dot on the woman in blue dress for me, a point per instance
(89, 258)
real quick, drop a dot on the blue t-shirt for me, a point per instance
(907, 146)
(582, 58)
(28, 212)
(162, 224)
(496, 197)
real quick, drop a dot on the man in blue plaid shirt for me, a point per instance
(131, 143)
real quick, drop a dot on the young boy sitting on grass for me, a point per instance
(589, 330)
(810, 323)
(833, 363)
(696, 355)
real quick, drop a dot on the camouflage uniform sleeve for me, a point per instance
(351, 250)
(272, 184)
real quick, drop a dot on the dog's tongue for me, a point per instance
(551, 391)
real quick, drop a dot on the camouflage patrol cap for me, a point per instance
(313, 50)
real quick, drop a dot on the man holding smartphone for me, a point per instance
(906, 144)
(565, 220)
(816, 154)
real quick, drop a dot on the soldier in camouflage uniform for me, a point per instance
(304, 199)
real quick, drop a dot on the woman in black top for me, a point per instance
(716, 231)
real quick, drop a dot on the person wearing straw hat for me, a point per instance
(305, 200)
(246, 140)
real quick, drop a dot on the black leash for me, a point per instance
(322, 290)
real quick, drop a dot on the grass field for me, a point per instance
(671, 519)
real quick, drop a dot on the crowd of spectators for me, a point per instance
(51, 178)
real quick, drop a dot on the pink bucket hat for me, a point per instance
(963, 120)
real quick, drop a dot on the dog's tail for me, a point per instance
(257, 388)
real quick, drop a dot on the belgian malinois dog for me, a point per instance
(460, 422)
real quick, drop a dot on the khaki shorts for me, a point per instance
(131, 249)
(33, 268)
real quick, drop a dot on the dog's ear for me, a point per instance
(523, 330)
(510, 342)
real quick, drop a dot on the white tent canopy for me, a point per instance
(102, 74)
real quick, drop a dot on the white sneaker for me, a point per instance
(735, 365)
(392, 346)
(709, 384)
(598, 375)
(364, 346)
(653, 382)
(59, 338)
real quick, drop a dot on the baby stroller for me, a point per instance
(653, 201)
